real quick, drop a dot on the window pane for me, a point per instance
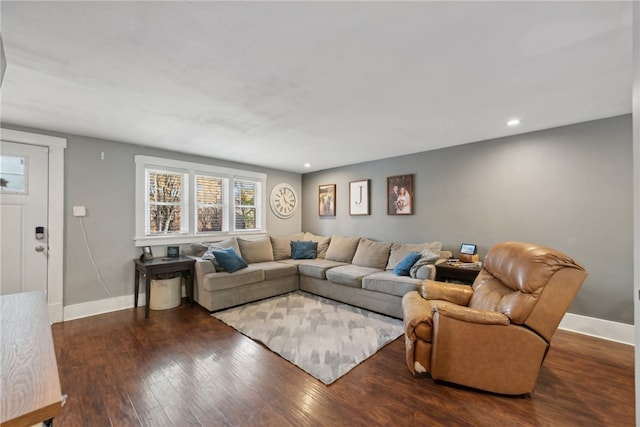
(245, 218)
(164, 219)
(209, 219)
(166, 207)
(244, 193)
(209, 190)
(210, 204)
(165, 187)
(12, 174)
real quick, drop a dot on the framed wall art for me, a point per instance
(400, 195)
(359, 197)
(327, 200)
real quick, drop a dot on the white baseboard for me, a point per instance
(55, 312)
(605, 329)
(92, 308)
(599, 328)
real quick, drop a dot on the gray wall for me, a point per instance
(569, 188)
(107, 189)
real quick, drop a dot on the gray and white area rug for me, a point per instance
(323, 337)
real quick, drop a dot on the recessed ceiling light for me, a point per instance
(307, 165)
(513, 122)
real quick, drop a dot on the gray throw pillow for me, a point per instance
(231, 242)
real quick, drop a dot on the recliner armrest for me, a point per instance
(415, 310)
(472, 315)
(457, 294)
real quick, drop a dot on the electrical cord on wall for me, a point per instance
(93, 262)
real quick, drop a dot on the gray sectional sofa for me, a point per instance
(354, 270)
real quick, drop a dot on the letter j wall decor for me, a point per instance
(359, 197)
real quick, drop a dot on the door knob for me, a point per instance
(40, 248)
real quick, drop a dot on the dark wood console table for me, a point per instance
(30, 387)
(184, 265)
(451, 272)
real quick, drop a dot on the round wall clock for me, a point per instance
(283, 200)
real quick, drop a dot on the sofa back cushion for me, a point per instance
(401, 250)
(342, 249)
(372, 254)
(256, 250)
(199, 249)
(282, 245)
(323, 243)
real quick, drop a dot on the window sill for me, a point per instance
(185, 239)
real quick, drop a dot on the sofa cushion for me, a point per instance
(323, 243)
(350, 275)
(404, 267)
(342, 249)
(372, 254)
(304, 249)
(315, 268)
(231, 242)
(282, 245)
(229, 259)
(225, 280)
(276, 270)
(401, 250)
(256, 250)
(388, 283)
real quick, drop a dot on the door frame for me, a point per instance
(55, 271)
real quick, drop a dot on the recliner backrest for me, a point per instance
(513, 281)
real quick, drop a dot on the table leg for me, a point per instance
(190, 285)
(137, 287)
(147, 296)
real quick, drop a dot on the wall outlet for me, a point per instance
(79, 211)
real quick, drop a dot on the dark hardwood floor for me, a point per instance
(181, 367)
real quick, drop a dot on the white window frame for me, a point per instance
(225, 203)
(259, 191)
(191, 170)
(184, 200)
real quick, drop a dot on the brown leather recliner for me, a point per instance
(495, 334)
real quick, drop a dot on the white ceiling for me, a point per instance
(279, 84)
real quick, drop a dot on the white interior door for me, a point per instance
(24, 175)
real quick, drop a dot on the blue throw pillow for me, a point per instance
(229, 260)
(304, 249)
(404, 267)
